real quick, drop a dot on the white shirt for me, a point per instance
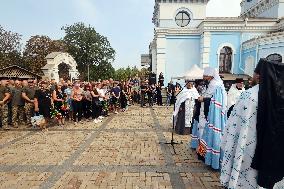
(233, 95)
(101, 93)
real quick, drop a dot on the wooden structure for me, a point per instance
(233, 77)
(14, 71)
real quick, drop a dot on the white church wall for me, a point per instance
(281, 9)
(168, 12)
(161, 53)
(170, 23)
(182, 53)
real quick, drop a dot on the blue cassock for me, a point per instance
(194, 136)
(212, 134)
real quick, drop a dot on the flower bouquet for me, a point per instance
(65, 106)
(55, 114)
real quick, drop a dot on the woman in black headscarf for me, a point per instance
(269, 153)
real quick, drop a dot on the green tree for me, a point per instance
(10, 48)
(103, 71)
(124, 74)
(120, 74)
(89, 48)
(144, 73)
(37, 48)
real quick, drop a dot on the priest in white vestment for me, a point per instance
(234, 93)
(239, 142)
(184, 107)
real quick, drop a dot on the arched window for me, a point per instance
(225, 60)
(274, 57)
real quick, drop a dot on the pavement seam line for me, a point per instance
(59, 171)
(175, 178)
(16, 140)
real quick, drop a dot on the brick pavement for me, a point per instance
(125, 151)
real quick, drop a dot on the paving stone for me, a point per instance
(6, 137)
(113, 180)
(22, 180)
(124, 151)
(130, 148)
(42, 148)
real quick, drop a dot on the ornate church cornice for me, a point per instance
(263, 40)
(182, 1)
(281, 24)
(236, 25)
(259, 8)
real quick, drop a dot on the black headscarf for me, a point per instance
(259, 66)
(268, 158)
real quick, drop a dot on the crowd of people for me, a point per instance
(240, 131)
(75, 102)
(20, 100)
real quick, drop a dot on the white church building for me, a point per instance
(184, 36)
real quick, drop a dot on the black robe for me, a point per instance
(180, 124)
(269, 154)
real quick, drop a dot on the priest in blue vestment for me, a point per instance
(210, 141)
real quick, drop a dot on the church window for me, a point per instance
(225, 60)
(182, 18)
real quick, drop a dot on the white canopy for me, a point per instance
(194, 73)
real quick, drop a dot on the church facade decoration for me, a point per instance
(184, 36)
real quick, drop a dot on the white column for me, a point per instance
(154, 57)
(161, 54)
(205, 50)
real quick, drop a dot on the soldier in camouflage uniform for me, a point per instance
(10, 85)
(28, 94)
(4, 99)
(18, 104)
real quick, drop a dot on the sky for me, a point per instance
(126, 23)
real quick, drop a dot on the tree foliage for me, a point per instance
(89, 48)
(123, 74)
(10, 48)
(37, 48)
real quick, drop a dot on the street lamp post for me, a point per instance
(88, 73)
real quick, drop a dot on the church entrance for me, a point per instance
(225, 60)
(63, 71)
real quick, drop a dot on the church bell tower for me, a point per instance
(179, 13)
